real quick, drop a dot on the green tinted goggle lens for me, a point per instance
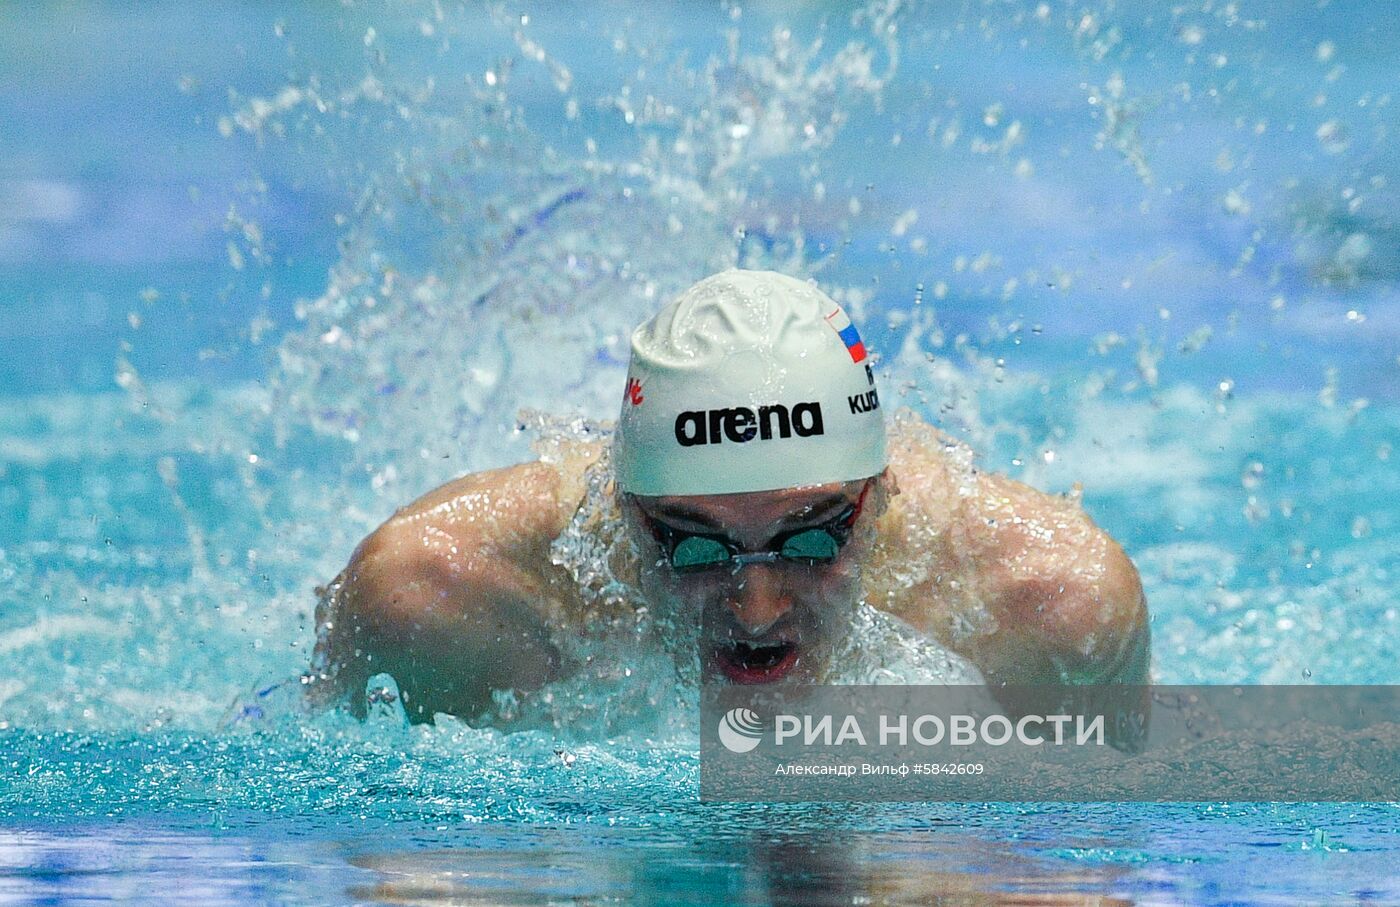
(697, 551)
(813, 546)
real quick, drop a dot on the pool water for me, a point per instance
(269, 272)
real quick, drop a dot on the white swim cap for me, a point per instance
(748, 381)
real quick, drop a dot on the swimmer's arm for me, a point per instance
(1069, 607)
(450, 597)
(1068, 602)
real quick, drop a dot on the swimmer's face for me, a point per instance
(772, 576)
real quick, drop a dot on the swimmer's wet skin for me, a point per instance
(754, 474)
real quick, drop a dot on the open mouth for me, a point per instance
(756, 662)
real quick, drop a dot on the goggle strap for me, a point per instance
(860, 502)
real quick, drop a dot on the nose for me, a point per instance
(759, 597)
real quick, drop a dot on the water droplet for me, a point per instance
(1328, 395)
(1224, 393)
(1332, 135)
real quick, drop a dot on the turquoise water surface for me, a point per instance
(267, 272)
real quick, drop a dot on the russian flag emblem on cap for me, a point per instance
(847, 332)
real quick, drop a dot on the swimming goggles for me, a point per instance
(694, 552)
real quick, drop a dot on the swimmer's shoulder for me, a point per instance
(519, 508)
(937, 476)
(477, 544)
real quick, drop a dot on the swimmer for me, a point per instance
(763, 501)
